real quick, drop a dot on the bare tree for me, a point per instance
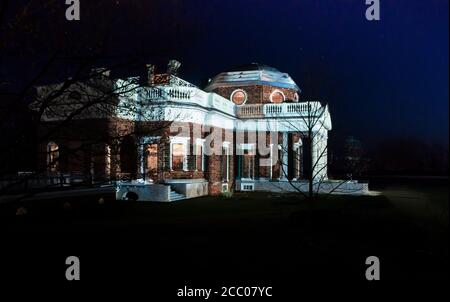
(312, 145)
(68, 110)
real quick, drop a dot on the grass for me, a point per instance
(248, 235)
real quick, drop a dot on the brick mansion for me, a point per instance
(247, 130)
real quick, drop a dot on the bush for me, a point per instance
(227, 195)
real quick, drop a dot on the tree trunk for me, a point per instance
(311, 168)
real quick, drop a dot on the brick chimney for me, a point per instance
(150, 74)
(173, 67)
(100, 72)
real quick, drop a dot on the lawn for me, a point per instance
(249, 236)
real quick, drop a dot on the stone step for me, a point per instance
(174, 196)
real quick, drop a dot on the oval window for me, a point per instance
(277, 97)
(239, 97)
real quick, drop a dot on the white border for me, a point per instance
(277, 91)
(185, 142)
(236, 91)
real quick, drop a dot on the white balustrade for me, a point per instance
(280, 110)
(250, 111)
(189, 95)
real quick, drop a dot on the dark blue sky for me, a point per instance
(386, 78)
(381, 79)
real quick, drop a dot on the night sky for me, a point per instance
(382, 79)
(387, 78)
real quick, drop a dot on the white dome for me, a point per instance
(253, 74)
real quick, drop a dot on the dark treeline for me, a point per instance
(391, 156)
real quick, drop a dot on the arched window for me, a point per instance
(239, 97)
(52, 157)
(277, 97)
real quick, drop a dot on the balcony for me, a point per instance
(187, 95)
(251, 111)
(280, 110)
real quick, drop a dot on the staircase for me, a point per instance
(174, 196)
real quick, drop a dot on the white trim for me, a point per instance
(247, 147)
(225, 188)
(179, 139)
(200, 142)
(185, 142)
(277, 91)
(226, 146)
(236, 91)
(271, 161)
(247, 187)
(297, 145)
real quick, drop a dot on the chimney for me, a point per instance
(100, 72)
(173, 67)
(150, 74)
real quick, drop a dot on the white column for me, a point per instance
(271, 162)
(320, 156)
(141, 155)
(285, 158)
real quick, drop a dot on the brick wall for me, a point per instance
(257, 94)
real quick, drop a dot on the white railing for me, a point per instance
(280, 110)
(248, 111)
(170, 93)
(291, 109)
(188, 96)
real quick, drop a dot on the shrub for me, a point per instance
(227, 195)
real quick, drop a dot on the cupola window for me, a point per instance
(277, 97)
(239, 97)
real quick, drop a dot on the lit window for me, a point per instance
(199, 157)
(277, 97)
(52, 157)
(152, 157)
(178, 157)
(239, 97)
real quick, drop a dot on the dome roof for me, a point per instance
(252, 74)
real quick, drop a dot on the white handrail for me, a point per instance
(280, 110)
